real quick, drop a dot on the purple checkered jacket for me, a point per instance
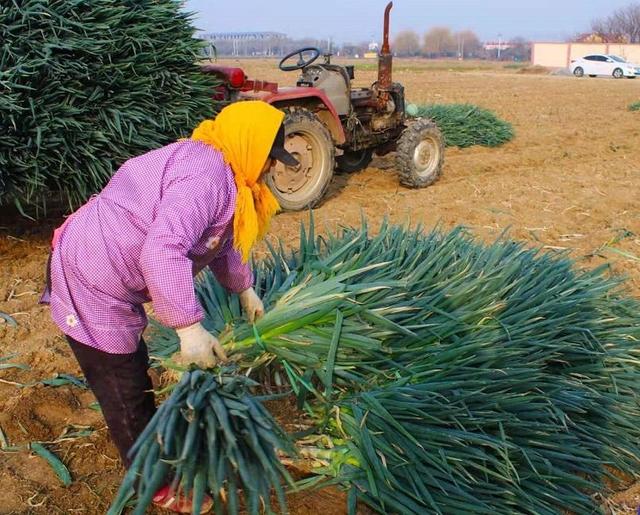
(162, 218)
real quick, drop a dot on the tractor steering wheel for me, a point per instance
(302, 63)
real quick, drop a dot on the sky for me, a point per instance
(361, 20)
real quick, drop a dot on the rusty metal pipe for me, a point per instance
(385, 35)
(385, 61)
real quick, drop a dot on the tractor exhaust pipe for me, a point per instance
(385, 35)
(385, 60)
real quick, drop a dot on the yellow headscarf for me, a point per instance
(244, 132)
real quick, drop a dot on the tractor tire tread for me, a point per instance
(407, 143)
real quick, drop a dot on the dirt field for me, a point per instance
(569, 181)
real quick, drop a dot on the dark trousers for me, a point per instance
(123, 388)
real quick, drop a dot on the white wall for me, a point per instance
(559, 55)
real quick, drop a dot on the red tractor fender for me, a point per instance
(294, 96)
(235, 80)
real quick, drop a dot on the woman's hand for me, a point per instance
(197, 346)
(251, 304)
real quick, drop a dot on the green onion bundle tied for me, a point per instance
(212, 436)
(465, 125)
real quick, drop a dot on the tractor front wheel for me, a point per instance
(309, 141)
(420, 154)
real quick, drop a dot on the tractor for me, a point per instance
(330, 124)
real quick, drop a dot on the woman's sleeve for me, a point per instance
(229, 269)
(190, 204)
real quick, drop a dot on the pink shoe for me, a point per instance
(178, 502)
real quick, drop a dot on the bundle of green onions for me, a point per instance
(480, 445)
(465, 125)
(86, 85)
(459, 377)
(210, 435)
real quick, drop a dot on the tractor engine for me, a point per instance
(374, 116)
(390, 113)
(378, 112)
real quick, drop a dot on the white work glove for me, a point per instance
(197, 346)
(251, 304)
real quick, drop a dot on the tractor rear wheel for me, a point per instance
(309, 141)
(350, 162)
(420, 154)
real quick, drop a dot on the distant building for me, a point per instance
(373, 51)
(241, 36)
(496, 45)
(245, 43)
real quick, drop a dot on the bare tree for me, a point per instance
(406, 44)
(622, 25)
(439, 42)
(468, 43)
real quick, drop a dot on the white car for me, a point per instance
(603, 64)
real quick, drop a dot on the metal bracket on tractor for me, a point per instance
(327, 116)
